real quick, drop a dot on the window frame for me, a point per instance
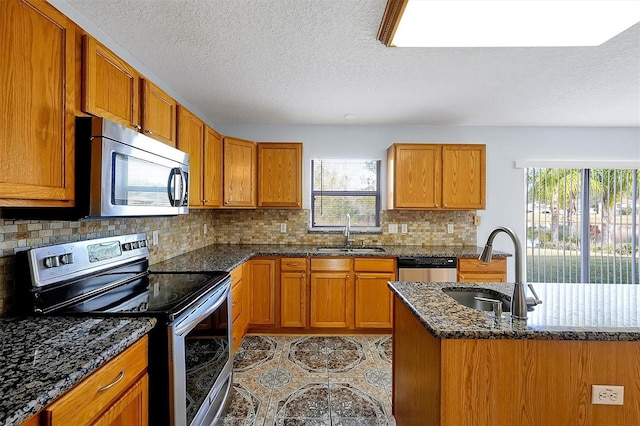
(377, 194)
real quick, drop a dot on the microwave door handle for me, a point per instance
(183, 186)
(171, 187)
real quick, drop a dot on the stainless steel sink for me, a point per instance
(467, 298)
(355, 250)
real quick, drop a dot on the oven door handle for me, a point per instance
(209, 305)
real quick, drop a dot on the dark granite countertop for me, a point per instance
(568, 312)
(43, 357)
(227, 257)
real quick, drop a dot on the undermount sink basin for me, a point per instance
(350, 250)
(467, 298)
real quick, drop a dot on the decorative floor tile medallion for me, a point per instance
(276, 377)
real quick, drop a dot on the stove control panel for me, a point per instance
(58, 263)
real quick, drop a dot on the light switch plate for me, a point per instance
(283, 228)
(450, 228)
(403, 228)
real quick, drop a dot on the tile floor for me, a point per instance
(311, 380)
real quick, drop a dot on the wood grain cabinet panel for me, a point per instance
(436, 176)
(240, 172)
(111, 86)
(294, 293)
(190, 140)
(158, 114)
(331, 294)
(37, 107)
(212, 164)
(463, 177)
(130, 409)
(279, 175)
(262, 293)
(373, 298)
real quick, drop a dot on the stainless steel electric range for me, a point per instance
(190, 354)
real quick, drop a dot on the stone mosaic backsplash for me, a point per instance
(181, 234)
(177, 235)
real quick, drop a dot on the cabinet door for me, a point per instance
(280, 175)
(373, 300)
(293, 299)
(239, 173)
(111, 86)
(190, 140)
(37, 105)
(158, 114)
(212, 163)
(262, 292)
(130, 409)
(416, 175)
(463, 176)
(331, 300)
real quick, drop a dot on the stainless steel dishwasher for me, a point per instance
(428, 269)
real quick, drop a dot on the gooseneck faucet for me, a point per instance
(347, 231)
(518, 299)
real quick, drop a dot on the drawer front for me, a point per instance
(293, 264)
(372, 264)
(83, 403)
(474, 265)
(236, 276)
(331, 264)
(236, 301)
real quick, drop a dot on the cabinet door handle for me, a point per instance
(148, 131)
(137, 127)
(292, 264)
(462, 277)
(109, 386)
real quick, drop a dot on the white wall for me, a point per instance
(505, 184)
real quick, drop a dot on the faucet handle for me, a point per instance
(535, 299)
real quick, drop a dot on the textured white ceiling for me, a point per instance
(313, 61)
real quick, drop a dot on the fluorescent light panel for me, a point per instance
(510, 23)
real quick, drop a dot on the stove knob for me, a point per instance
(134, 244)
(126, 247)
(51, 262)
(143, 243)
(66, 259)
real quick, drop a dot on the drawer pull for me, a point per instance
(109, 386)
(234, 304)
(292, 263)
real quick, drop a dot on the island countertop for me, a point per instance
(43, 357)
(222, 257)
(568, 312)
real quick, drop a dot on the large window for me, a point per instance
(583, 225)
(345, 186)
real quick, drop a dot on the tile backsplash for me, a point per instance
(180, 234)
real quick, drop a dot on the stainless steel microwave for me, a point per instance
(120, 172)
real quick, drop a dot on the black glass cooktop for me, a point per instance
(164, 294)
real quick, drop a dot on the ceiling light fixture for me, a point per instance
(514, 23)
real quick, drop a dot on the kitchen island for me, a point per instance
(455, 365)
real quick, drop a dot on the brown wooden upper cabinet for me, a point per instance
(436, 176)
(212, 163)
(37, 89)
(191, 140)
(158, 114)
(114, 90)
(280, 175)
(240, 175)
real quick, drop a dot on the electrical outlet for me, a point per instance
(283, 228)
(403, 228)
(155, 238)
(477, 220)
(450, 228)
(204, 228)
(607, 394)
(393, 228)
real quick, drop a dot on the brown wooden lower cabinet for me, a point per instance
(262, 292)
(115, 394)
(373, 299)
(455, 382)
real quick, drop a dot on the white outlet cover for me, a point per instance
(450, 228)
(607, 395)
(283, 228)
(403, 228)
(393, 228)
